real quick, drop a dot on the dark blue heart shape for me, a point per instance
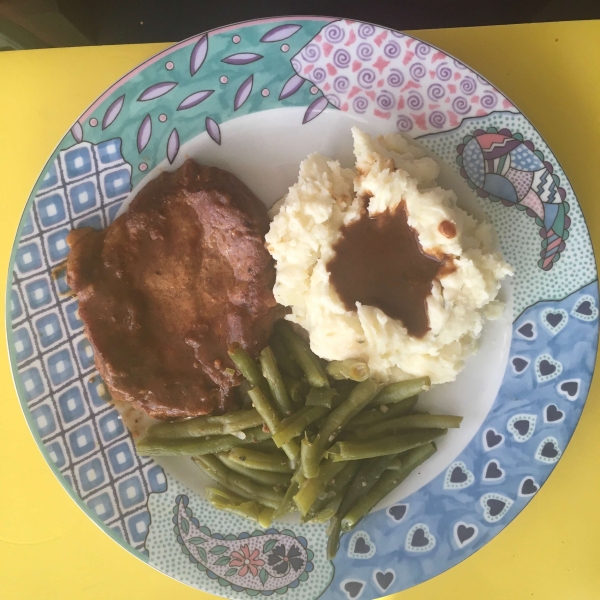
(492, 438)
(546, 368)
(554, 318)
(353, 588)
(384, 579)
(529, 487)
(570, 388)
(492, 471)
(585, 308)
(553, 414)
(458, 475)
(522, 426)
(549, 450)
(526, 330)
(495, 506)
(465, 533)
(419, 539)
(520, 364)
(397, 512)
(361, 546)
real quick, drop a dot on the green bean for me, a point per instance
(230, 502)
(366, 477)
(377, 415)
(386, 483)
(333, 537)
(394, 392)
(294, 389)
(271, 418)
(409, 422)
(343, 451)
(335, 490)
(321, 397)
(304, 356)
(328, 511)
(273, 376)
(287, 504)
(260, 461)
(265, 477)
(147, 446)
(202, 426)
(311, 488)
(283, 357)
(248, 368)
(243, 486)
(295, 424)
(243, 390)
(267, 445)
(350, 368)
(395, 465)
(312, 453)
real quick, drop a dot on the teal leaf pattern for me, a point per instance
(269, 546)
(223, 560)
(218, 549)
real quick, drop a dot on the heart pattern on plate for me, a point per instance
(419, 539)
(464, 533)
(546, 368)
(569, 389)
(383, 579)
(361, 546)
(492, 472)
(553, 414)
(352, 589)
(519, 364)
(528, 487)
(528, 330)
(492, 439)
(554, 319)
(397, 512)
(521, 427)
(585, 309)
(458, 476)
(548, 451)
(495, 506)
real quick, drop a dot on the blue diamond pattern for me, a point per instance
(56, 242)
(71, 405)
(113, 209)
(29, 258)
(156, 479)
(60, 367)
(72, 313)
(137, 526)
(78, 161)
(81, 441)
(85, 353)
(97, 390)
(93, 221)
(120, 457)
(91, 474)
(33, 384)
(44, 420)
(60, 279)
(103, 506)
(50, 178)
(117, 183)
(16, 308)
(22, 344)
(48, 329)
(56, 454)
(130, 492)
(51, 209)
(28, 227)
(109, 151)
(83, 196)
(37, 293)
(111, 426)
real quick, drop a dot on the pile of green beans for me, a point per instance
(321, 439)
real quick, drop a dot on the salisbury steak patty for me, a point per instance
(170, 284)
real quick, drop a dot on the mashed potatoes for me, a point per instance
(306, 226)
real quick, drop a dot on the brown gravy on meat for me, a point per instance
(379, 262)
(170, 284)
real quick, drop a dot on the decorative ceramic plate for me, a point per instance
(256, 98)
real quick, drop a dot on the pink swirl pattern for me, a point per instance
(370, 70)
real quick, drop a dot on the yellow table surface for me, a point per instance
(50, 550)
